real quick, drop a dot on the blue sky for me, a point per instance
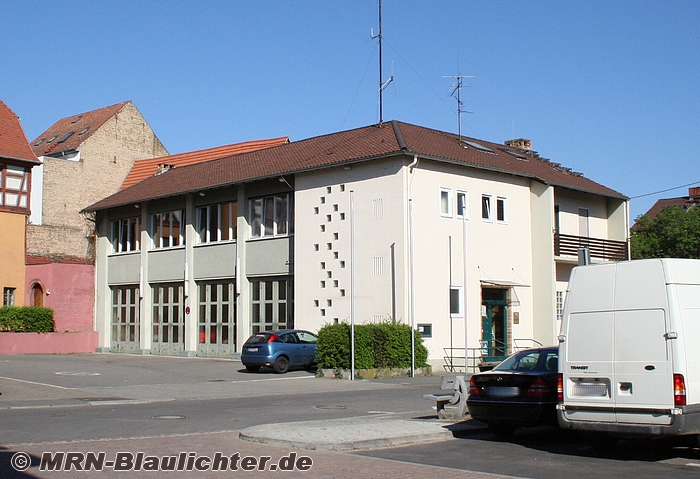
(608, 88)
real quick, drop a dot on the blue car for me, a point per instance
(280, 350)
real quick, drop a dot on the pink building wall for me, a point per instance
(69, 289)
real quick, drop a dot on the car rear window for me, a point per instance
(539, 360)
(258, 338)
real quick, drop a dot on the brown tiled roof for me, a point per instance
(80, 127)
(362, 144)
(149, 167)
(683, 202)
(13, 141)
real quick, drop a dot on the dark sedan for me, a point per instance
(280, 350)
(520, 391)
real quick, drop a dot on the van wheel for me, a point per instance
(281, 365)
(502, 431)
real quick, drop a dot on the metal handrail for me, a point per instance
(461, 360)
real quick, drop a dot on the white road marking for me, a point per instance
(39, 384)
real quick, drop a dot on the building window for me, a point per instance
(14, 186)
(8, 296)
(272, 216)
(462, 204)
(560, 305)
(501, 209)
(486, 213)
(445, 202)
(126, 235)
(456, 301)
(217, 223)
(167, 229)
(272, 304)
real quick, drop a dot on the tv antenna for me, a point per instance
(382, 84)
(456, 93)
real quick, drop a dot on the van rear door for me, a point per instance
(589, 367)
(642, 372)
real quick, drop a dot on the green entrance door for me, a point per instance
(494, 324)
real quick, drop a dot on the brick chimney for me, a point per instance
(522, 143)
(694, 193)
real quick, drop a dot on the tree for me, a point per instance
(674, 233)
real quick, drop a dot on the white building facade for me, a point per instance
(470, 242)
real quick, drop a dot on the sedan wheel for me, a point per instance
(281, 365)
(252, 369)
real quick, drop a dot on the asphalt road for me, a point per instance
(104, 400)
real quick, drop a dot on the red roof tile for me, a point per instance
(149, 167)
(13, 141)
(70, 132)
(362, 144)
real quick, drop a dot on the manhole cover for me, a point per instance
(330, 406)
(216, 380)
(170, 416)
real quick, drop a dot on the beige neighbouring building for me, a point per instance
(470, 241)
(84, 157)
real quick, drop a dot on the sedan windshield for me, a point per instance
(532, 360)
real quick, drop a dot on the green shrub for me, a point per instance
(377, 345)
(26, 319)
(333, 346)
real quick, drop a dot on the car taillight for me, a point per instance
(538, 389)
(560, 387)
(473, 388)
(679, 390)
(272, 338)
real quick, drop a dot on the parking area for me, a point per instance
(60, 380)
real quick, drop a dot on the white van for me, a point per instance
(629, 348)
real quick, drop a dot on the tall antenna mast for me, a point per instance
(457, 88)
(382, 83)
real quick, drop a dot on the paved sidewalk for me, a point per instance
(323, 464)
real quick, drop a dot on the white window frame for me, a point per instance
(504, 201)
(8, 296)
(122, 235)
(157, 219)
(489, 210)
(212, 231)
(465, 212)
(445, 206)
(559, 306)
(459, 290)
(261, 225)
